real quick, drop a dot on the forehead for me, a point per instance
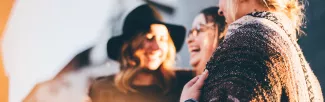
(199, 19)
(158, 29)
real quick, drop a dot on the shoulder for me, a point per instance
(249, 26)
(103, 89)
(254, 33)
(249, 40)
(103, 83)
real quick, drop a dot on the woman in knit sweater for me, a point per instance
(259, 59)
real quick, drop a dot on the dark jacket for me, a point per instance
(260, 60)
(104, 90)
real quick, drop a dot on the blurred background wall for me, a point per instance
(313, 44)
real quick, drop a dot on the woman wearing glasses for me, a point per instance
(206, 34)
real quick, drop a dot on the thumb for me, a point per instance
(191, 82)
(200, 82)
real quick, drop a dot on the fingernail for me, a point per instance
(205, 71)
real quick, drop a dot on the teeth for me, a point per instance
(195, 50)
(154, 56)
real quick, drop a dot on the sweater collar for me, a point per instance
(279, 19)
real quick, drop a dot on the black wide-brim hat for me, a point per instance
(139, 20)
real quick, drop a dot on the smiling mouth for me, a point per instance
(195, 50)
(153, 57)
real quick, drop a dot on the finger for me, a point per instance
(192, 81)
(200, 82)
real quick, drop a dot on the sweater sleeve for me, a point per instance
(244, 67)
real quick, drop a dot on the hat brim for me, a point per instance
(114, 46)
(176, 32)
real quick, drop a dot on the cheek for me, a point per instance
(201, 39)
(164, 48)
(140, 54)
(222, 5)
(145, 45)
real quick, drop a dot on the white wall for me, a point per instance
(43, 35)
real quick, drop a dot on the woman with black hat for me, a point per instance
(146, 51)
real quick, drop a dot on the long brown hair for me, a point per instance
(130, 64)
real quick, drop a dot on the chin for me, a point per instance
(153, 66)
(194, 63)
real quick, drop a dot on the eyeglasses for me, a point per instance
(201, 28)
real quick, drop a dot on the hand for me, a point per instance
(192, 89)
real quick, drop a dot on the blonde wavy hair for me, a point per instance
(294, 10)
(131, 65)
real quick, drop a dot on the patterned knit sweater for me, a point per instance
(260, 60)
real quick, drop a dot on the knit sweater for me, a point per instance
(260, 60)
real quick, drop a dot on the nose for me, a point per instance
(154, 45)
(191, 37)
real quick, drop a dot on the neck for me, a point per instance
(144, 79)
(249, 7)
(198, 70)
(256, 9)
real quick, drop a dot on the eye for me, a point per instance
(202, 29)
(193, 32)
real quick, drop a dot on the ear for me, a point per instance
(220, 13)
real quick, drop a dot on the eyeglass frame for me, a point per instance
(198, 29)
